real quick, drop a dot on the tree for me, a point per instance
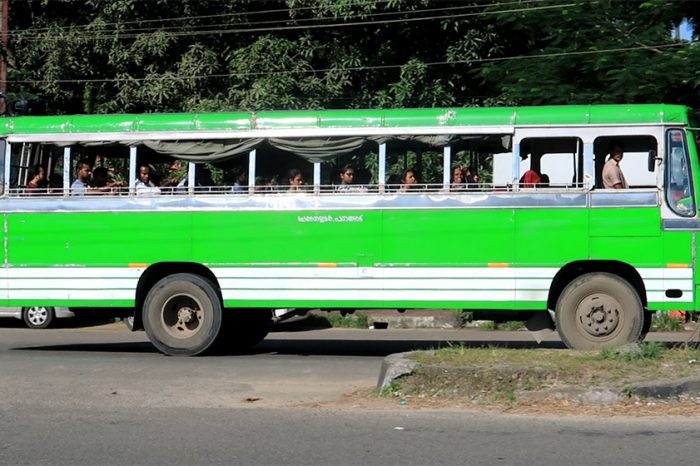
(594, 52)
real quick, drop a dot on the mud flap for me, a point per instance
(540, 325)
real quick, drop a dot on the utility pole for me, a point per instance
(5, 39)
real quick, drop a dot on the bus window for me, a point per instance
(556, 162)
(679, 190)
(634, 161)
(109, 168)
(279, 170)
(36, 169)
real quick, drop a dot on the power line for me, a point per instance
(282, 10)
(361, 68)
(258, 12)
(120, 36)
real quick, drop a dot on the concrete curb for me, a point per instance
(393, 367)
(398, 364)
(689, 387)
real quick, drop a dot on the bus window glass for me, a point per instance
(679, 190)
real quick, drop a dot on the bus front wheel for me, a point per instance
(599, 310)
(182, 314)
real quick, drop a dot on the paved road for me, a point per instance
(101, 395)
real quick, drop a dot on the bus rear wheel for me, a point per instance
(182, 315)
(599, 310)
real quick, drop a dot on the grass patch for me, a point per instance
(492, 374)
(335, 319)
(663, 322)
(507, 326)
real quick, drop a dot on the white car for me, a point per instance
(36, 316)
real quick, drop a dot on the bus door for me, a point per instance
(681, 223)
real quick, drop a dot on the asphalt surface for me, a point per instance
(102, 395)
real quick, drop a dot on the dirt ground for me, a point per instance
(634, 407)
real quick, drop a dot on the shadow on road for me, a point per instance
(375, 348)
(381, 347)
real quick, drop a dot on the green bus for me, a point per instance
(201, 225)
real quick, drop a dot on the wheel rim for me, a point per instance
(598, 315)
(182, 316)
(37, 315)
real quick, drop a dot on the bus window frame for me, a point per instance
(667, 175)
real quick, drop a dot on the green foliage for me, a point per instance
(335, 319)
(665, 323)
(463, 317)
(138, 56)
(643, 351)
(509, 326)
(393, 389)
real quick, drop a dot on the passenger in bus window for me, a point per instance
(240, 183)
(408, 180)
(347, 181)
(544, 181)
(295, 180)
(613, 178)
(530, 178)
(177, 173)
(101, 184)
(82, 177)
(143, 183)
(470, 176)
(38, 184)
(457, 183)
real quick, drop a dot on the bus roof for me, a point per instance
(374, 118)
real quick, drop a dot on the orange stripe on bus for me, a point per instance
(677, 266)
(498, 265)
(326, 264)
(138, 266)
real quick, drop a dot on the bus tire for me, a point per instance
(182, 314)
(38, 316)
(244, 328)
(599, 310)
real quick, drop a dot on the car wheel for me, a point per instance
(38, 316)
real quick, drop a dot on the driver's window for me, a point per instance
(679, 189)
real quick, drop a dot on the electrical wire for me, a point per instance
(172, 77)
(120, 36)
(265, 12)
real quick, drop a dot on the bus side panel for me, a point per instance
(89, 258)
(679, 257)
(461, 258)
(545, 240)
(292, 258)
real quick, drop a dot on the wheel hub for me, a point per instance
(185, 315)
(182, 316)
(598, 315)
